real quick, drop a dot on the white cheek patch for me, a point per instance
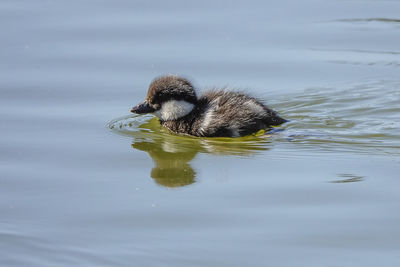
(173, 109)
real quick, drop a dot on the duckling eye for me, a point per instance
(152, 104)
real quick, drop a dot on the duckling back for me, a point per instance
(233, 114)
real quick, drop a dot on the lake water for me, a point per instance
(84, 183)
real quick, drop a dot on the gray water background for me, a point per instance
(324, 191)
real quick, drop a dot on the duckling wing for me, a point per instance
(235, 114)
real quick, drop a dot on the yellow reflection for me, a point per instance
(173, 153)
(172, 168)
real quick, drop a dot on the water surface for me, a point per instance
(84, 183)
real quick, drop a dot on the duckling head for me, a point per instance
(169, 97)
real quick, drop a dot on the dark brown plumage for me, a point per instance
(216, 113)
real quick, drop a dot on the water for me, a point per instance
(84, 183)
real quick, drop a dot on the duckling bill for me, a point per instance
(216, 113)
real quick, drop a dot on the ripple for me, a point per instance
(348, 178)
(368, 63)
(173, 153)
(357, 51)
(361, 119)
(147, 128)
(384, 20)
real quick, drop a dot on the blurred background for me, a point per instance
(83, 183)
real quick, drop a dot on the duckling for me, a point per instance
(216, 113)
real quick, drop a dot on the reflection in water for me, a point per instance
(172, 166)
(172, 153)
